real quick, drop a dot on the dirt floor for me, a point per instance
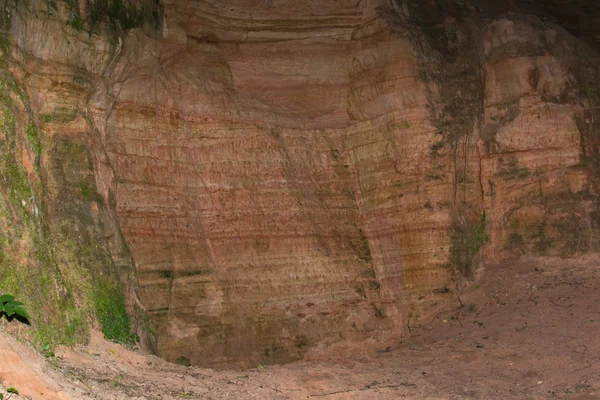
(529, 330)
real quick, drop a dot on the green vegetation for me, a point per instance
(85, 191)
(543, 242)
(127, 16)
(71, 155)
(480, 237)
(46, 350)
(167, 274)
(33, 136)
(55, 319)
(16, 179)
(60, 115)
(46, 118)
(512, 171)
(467, 240)
(560, 224)
(434, 177)
(7, 121)
(436, 147)
(9, 393)
(591, 94)
(57, 262)
(112, 314)
(4, 44)
(76, 23)
(121, 15)
(301, 342)
(11, 308)
(181, 360)
(451, 72)
(479, 324)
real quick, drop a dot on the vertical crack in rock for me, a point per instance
(446, 40)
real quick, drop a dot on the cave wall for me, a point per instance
(292, 178)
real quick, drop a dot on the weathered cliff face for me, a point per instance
(61, 248)
(294, 176)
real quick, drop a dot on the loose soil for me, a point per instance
(525, 330)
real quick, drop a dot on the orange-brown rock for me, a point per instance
(293, 175)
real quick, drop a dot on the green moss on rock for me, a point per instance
(467, 240)
(112, 314)
(35, 141)
(53, 252)
(121, 15)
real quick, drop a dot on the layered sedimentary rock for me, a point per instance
(293, 176)
(61, 249)
(539, 139)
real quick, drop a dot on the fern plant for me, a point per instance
(11, 308)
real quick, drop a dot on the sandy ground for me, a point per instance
(528, 330)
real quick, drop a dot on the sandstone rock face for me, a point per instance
(293, 177)
(61, 248)
(540, 178)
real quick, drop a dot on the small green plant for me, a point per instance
(181, 360)
(480, 236)
(77, 23)
(478, 323)
(47, 350)
(9, 393)
(436, 147)
(590, 91)
(11, 308)
(85, 191)
(33, 136)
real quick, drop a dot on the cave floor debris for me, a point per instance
(525, 330)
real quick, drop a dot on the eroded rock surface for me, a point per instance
(293, 177)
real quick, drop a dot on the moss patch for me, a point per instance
(181, 360)
(467, 240)
(121, 15)
(35, 141)
(112, 314)
(560, 225)
(60, 115)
